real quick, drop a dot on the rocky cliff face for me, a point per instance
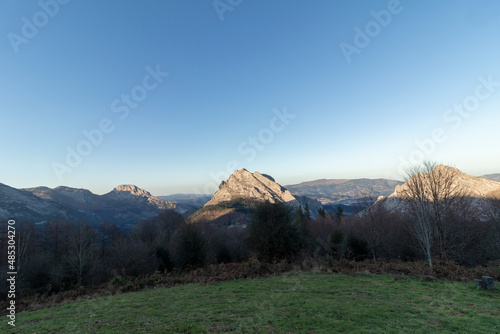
(243, 184)
(259, 187)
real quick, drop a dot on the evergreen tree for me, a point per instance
(322, 212)
(307, 212)
(339, 213)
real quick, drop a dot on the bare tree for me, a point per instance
(158, 230)
(108, 234)
(52, 236)
(493, 211)
(433, 196)
(169, 221)
(132, 256)
(372, 220)
(26, 242)
(493, 239)
(81, 250)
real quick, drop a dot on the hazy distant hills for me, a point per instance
(187, 201)
(343, 190)
(492, 177)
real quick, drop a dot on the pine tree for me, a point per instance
(339, 213)
(322, 212)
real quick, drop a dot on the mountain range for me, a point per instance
(125, 205)
(23, 205)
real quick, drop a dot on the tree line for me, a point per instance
(439, 222)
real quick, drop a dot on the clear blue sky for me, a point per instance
(228, 78)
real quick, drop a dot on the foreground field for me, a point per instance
(302, 303)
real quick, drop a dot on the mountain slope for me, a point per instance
(81, 199)
(24, 206)
(133, 195)
(124, 205)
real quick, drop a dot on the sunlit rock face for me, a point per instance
(259, 187)
(243, 184)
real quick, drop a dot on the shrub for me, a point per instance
(223, 255)
(163, 257)
(357, 247)
(116, 281)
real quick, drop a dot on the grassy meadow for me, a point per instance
(296, 303)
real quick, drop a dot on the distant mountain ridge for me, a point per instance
(492, 177)
(124, 205)
(22, 205)
(187, 199)
(339, 190)
(79, 199)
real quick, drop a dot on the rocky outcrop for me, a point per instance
(243, 184)
(259, 187)
(133, 193)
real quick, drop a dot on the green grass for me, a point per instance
(302, 303)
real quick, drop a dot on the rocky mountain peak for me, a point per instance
(132, 189)
(133, 193)
(243, 184)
